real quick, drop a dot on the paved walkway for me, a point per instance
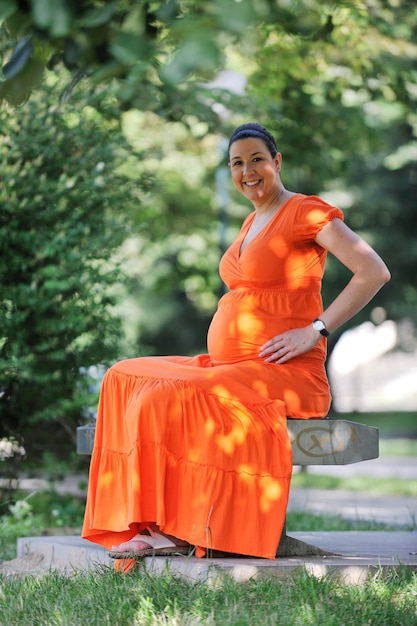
(353, 505)
(398, 511)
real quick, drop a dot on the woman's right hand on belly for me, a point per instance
(290, 344)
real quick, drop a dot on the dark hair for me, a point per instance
(255, 130)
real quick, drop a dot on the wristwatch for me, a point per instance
(320, 326)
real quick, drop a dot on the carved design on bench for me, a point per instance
(331, 442)
(318, 442)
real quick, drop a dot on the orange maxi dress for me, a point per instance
(199, 445)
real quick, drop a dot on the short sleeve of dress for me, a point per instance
(312, 214)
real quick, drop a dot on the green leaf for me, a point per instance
(17, 90)
(42, 13)
(18, 24)
(105, 73)
(20, 56)
(168, 11)
(14, 92)
(236, 16)
(197, 54)
(98, 16)
(53, 15)
(128, 47)
(7, 8)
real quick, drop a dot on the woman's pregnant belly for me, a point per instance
(238, 329)
(246, 319)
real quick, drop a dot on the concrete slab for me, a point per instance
(356, 555)
(64, 552)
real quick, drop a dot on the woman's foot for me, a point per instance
(133, 545)
(154, 543)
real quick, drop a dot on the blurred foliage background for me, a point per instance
(115, 203)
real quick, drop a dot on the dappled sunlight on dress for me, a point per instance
(199, 444)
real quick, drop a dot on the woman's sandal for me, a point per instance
(160, 546)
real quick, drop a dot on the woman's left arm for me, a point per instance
(369, 275)
(369, 272)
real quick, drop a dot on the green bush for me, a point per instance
(65, 211)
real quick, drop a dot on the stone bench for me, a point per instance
(314, 442)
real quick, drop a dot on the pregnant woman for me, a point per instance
(194, 451)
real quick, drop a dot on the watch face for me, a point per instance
(318, 325)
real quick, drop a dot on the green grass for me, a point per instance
(397, 447)
(104, 597)
(368, 484)
(390, 424)
(306, 521)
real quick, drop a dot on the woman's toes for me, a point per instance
(134, 545)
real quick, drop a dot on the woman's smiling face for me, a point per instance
(254, 170)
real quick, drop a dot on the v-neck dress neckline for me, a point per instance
(263, 230)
